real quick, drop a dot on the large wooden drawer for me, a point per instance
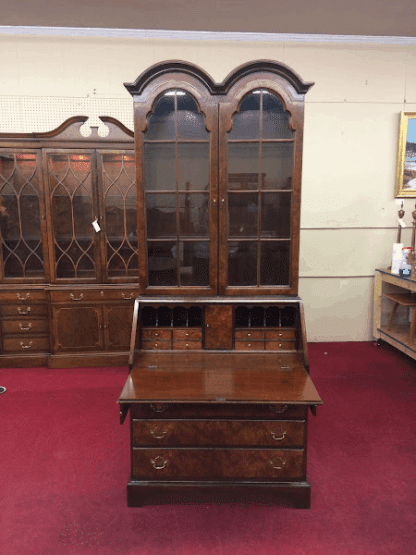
(89, 295)
(218, 464)
(12, 344)
(24, 296)
(230, 433)
(238, 411)
(17, 311)
(24, 326)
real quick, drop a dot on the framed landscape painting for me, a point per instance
(406, 157)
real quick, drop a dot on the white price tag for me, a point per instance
(96, 225)
(401, 222)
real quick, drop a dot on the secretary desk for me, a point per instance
(219, 388)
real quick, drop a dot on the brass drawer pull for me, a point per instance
(277, 463)
(25, 328)
(28, 346)
(127, 298)
(23, 297)
(159, 463)
(81, 296)
(20, 310)
(278, 436)
(278, 409)
(158, 433)
(159, 407)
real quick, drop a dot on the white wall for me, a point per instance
(351, 133)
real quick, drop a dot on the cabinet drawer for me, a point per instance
(156, 345)
(249, 345)
(224, 433)
(187, 345)
(17, 311)
(280, 334)
(159, 333)
(249, 334)
(272, 345)
(187, 333)
(25, 326)
(217, 464)
(200, 411)
(88, 295)
(23, 296)
(25, 344)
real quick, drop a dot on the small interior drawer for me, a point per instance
(187, 345)
(249, 345)
(156, 333)
(272, 345)
(156, 345)
(280, 334)
(187, 333)
(249, 334)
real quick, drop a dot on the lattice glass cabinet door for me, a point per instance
(118, 198)
(21, 209)
(71, 177)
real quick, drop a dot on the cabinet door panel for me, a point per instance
(258, 237)
(178, 177)
(218, 327)
(78, 328)
(117, 326)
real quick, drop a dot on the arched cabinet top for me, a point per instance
(176, 69)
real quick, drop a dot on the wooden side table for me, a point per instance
(386, 324)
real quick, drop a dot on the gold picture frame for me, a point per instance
(406, 157)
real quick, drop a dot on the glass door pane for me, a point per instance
(259, 187)
(119, 198)
(176, 175)
(20, 219)
(70, 178)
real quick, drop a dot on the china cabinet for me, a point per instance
(68, 259)
(219, 390)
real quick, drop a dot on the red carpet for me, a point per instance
(65, 465)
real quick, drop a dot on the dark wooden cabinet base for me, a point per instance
(287, 494)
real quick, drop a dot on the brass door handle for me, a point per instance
(81, 296)
(21, 311)
(23, 297)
